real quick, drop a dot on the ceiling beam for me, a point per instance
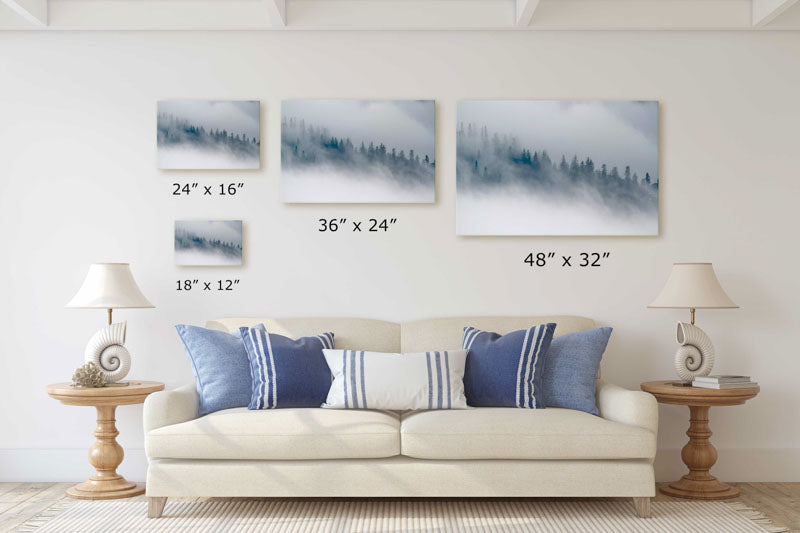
(765, 11)
(400, 14)
(525, 10)
(34, 11)
(277, 10)
(120, 15)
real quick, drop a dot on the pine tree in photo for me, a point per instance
(313, 147)
(508, 163)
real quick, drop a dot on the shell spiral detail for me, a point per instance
(695, 357)
(106, 349)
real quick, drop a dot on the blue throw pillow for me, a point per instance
(220, 365)
(286, 372)
(570, 369)
(506, 371)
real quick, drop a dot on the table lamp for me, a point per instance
(109, 286)
(693, 286)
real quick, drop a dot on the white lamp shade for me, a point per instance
(693, 285)
(109, 286)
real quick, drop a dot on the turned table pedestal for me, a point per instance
(106, 454)
(698, 454)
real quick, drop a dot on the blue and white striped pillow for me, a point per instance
(506, 371)
(286, 372)
(395, 381)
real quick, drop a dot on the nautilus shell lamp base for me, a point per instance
(695, 355)
(107, 350)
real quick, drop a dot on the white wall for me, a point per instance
(80, 184)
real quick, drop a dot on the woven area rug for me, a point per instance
(313, 516)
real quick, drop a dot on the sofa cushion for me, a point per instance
(375, 380)
(279, 434)
(571, 368)
(506, 370)
(286, 372)
(351, 333)
(510, 433)
(220, 366)
(447, 333)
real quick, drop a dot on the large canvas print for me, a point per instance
(358, 151)
(208, 242)
(557, 168)
(213, 134)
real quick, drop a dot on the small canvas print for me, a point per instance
(209, 134)
(557, 168)
(358, 151)
(208, 242)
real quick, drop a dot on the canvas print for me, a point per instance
(557, 168)
(209, 134)
(358, 151)
(208, 242)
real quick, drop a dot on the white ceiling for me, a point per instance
(400, 14)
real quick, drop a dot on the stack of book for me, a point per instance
(723, 382)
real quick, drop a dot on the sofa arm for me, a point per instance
(170, 407)
(634, 408)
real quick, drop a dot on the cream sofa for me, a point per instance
(482, 452)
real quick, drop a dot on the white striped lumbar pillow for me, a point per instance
(374, 380)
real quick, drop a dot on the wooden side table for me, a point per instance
(698, 454)
(106, 454)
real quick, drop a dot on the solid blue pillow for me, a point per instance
(286, 372)
(506, 371)
(220, 365)
(570, 369)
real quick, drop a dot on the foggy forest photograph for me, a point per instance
(217, 135)
(557, 168)
(358, 151)
(208, 242)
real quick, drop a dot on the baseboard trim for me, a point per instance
(737, 464)
(62, 464)
(72, 465)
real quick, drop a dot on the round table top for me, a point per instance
(674, 392)
(113, 394)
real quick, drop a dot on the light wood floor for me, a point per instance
(20, 501)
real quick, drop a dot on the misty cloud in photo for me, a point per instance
(208, 242)
(358, 151)
(557, 168)
(209, 134)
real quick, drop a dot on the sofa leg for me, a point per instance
(155, 506)
(642, 506)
